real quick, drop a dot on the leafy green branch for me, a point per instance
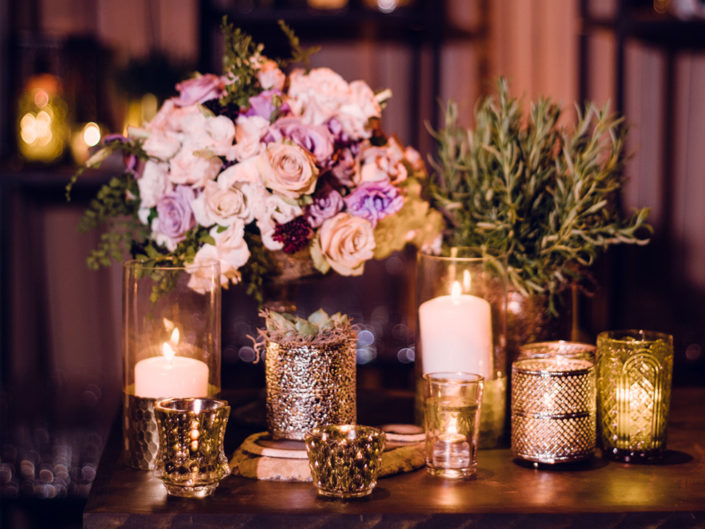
(542, 196)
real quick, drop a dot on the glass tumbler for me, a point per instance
(190, 460)
(344, 459)
(634, 369)
(452, 403)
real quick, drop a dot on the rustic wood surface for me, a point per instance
(505, 494)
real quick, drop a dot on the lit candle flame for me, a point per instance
(168, 351)
(175, 336)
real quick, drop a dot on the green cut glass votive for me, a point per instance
(190, 460)
(345, 459)
(634, 369)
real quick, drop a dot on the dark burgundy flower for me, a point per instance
(294, 235)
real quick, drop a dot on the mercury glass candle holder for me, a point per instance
(191, 461)
(345, 459)
(553, 409)
(171, 345)
(634, 369)
(452, 403)
(461, 302)
(557, 348)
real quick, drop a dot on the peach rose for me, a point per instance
(346, 243)
(288, 169)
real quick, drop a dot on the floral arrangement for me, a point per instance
(540, 195)
(257, 164)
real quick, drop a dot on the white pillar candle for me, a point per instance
(169, 375)
(456, 334)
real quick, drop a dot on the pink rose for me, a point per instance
(346, 242)
(191, 169)
(316, 139)
(200, 89)
(379, 164)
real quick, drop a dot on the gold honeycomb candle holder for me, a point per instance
(190, 460)
(553, 409)
(345, 459)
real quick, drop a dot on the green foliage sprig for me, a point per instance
(538, 194)
(299, 54)
(239, 48)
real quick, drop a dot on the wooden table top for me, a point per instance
(505, 494)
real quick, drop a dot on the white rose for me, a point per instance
(233, 252)
(288, 169)
(316, 96)
(266, 229)
(162, 145)
(188, 168)
(355, 113)
(281, 210)
(153, 183)
(346, 243)
(248, 135)
(219, 205)
(189, 119)
(201, 279)
(221, 131)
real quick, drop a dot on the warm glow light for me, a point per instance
(467, 281)
(175, 336)
(91, 134)
(41, 98)
(455, 291)
(168, 351)
(386, 6)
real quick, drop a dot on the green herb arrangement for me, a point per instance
(539, 194)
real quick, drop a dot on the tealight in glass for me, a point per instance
(191, 461)
(452, 404)
(634, 369)
(344, 459)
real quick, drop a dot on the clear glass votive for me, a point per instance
(452, 403)
(344, 459)
(553, 409)
(191, 461)
(634, 369)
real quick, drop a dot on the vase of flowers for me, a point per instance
(310, 372)
(270, 170)
(540, 194)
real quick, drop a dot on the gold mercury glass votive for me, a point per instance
(634, 369)
(559, 348)
(345, 459)
(553, 409)
(190, 460)
(452, 403)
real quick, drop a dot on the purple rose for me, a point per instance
(316, 139)
(174, 212)
(263, 105)
(199, 90)
(374, 201)
(132, 162)
(336, 129)
(326, 203)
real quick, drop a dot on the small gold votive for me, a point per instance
(345, 459)
(557, 348)
(190, 460)
(553, 409)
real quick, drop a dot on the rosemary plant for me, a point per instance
(540, 195)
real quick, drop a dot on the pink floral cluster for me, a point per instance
(305, 163)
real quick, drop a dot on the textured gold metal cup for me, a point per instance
(191, 461)
(553, 409)
(139, 428)
(345, 459)
(309, 386)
